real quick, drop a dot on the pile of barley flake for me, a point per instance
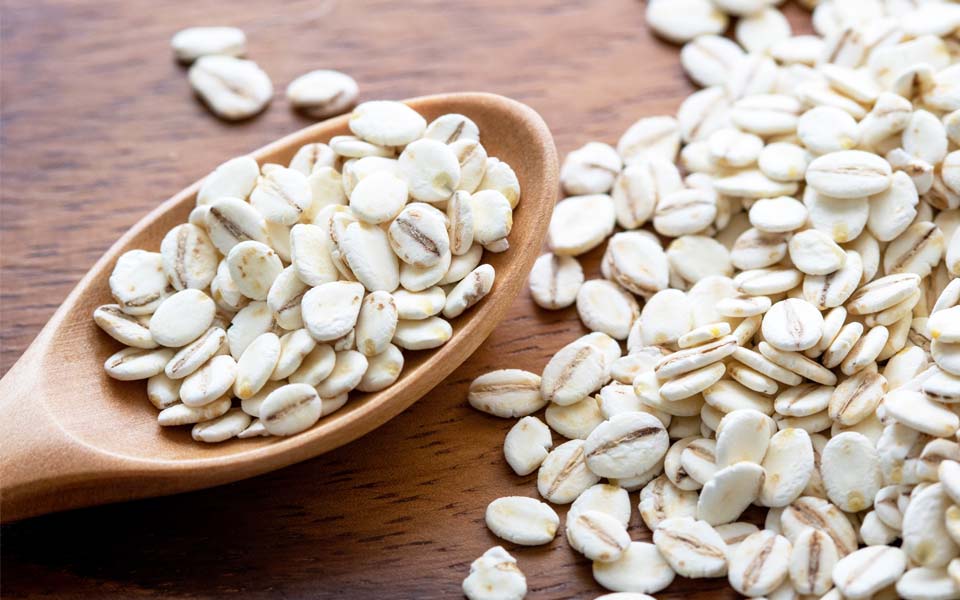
(291, 287)
(234, 88)
(785, 279)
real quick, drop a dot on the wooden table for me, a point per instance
(99, 125)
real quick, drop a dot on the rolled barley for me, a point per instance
(851, 471)
(660, 499)
(277, 249)
(641, 569)
(788, 465)
(797, 345)
(229, 425)
(495, 576)
(383, 370)
(693, 548)
(162, 391)
(615, 398)
(181, 414)
(874, 532)
(606, 498)
(920, 583)
(812, 560)
(815, 253)
(575, 421)
(810, 512)
(924, 539)
(606, 307)
(673, 468)
(792, 325)
(760, 563)
(708, 59)
(597, 535)
(831, 291)
(626, 445)
(194, 42)
(323, 93)
(581, 223)
(751, 379)
(526, 445)
(665, 318)
(522, 520)
(733, 488)
(122, 327)
(742, 435)
(698, 460)
(256, 365)
(564, 475)
(728, 396)
(684, 361)
(232, 88)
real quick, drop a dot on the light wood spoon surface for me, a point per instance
(70, 436)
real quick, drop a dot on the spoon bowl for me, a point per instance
(70, 436)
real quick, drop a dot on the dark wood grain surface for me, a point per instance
(98, 125)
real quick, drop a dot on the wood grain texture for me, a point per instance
(96, 441)
(97, 125)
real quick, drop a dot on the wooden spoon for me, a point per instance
(70, 436)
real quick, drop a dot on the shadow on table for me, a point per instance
(394, 510)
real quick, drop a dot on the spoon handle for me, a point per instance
(42, 468)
